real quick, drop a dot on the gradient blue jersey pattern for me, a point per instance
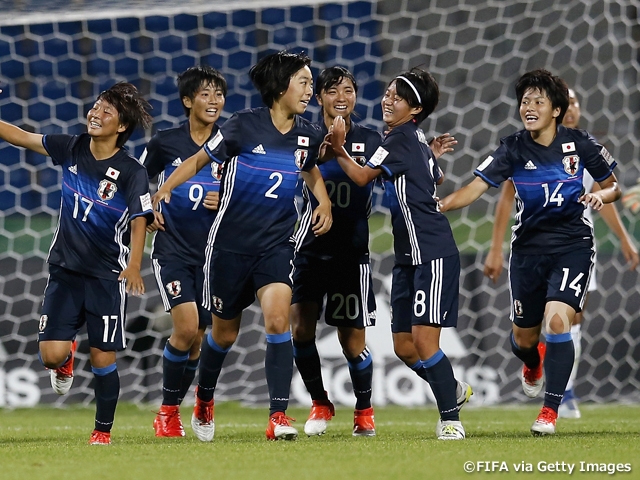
(548, 182)
(350, 204)
(187, 221)
(410, 172)
(99, 199)
(262, 166)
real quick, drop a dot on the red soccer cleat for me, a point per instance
(533, 378)
(545, 424)
(100, 438)
(202, 419)
(321, 412)
(363, 423)
(167, 422)
(280, 428)
(62, 377)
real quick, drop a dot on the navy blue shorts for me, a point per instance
(346, 284)
(425, 294)
(181, 283)
(234, 278)
(72, 299)
(537, 279)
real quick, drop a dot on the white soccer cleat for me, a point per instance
(450, 430)
(463, 393)
(62, 377)
(279, 427)
(202, 420)
(569, 409)
(321, 413)
(545, 424)
(533, 378)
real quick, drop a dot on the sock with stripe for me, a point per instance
(278, 365)
(107, 390)
(418, 367)
(361, 371)
(173, 365)
(529, 356)
(307, 360)
(443, 384)
(189, 374)
(558, 363)
(212, 357)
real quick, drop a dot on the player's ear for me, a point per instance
(122, 127)
(415, 111)
(319, 100)
(556, 112)
(187, 102)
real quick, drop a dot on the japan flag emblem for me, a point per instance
(568, 147)
(113, 173)
(303, 141)
(357, 147)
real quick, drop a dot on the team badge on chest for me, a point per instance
(301, 155)
(107, 189)
(571, 164)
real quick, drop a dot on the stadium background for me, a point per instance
(56, 56)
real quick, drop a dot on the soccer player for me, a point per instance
(424, 295)
(264, 151)
(493, 264)
(182, 228)
(336, 265)
(553, 249)
(105, 203)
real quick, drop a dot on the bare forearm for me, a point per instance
(361, 176)
(315, 182)
(465, 196)
(138, 234)
(187, 170)
(502, 216)
(21, 138)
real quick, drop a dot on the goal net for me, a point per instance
(56, 56)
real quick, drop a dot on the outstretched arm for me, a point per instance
(321, 218)
(360, 175)
(184, 172)
(611, 217)
(21, 138)
(493, 263)
(465, 196)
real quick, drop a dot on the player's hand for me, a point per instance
(133, 281)
(159, 196)
(322, 219)
(442, 144)
(211, 200)
(338, 133)
(630, 253)
(592, 200)
(326, 152)
(493, 265)
(157, 224)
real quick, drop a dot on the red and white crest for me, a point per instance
(217, 303)
(301, 155)
(360, 160)
(174, 288)
(107, 189)
(517, 308)
(216, 170)
(43, 323)
(571, 164)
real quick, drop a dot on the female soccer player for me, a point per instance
(493, 264)
(182, 230)
(263, 151)
(553, 250)
(424, 295)
(105, 203)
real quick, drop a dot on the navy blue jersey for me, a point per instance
(410, 172)
(350, 204)
(187, 222)
(99, 199)
(261, 169)
(548, 183)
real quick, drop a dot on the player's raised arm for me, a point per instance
(465, 196)
(360, 175)
(184, 172)
(495, 258)
(21, 138)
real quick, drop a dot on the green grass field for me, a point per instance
(45, 443)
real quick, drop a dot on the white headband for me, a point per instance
(415, 90)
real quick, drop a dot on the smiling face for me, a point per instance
(206, 106)
(103, 120)
(338, 100)
(395, 109)
(537, 113)
(297, 96)
(572, 117)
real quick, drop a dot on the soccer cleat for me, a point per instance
(280, 428)
(533, 378)
(545, 424)
(569, 406)
(202, 420)
(450, 430)
(167, 422)
(62, 377)
(363, 423)
(463, 393)
(321, 412)
(100, 438)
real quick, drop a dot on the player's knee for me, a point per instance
(558, 323)
(53, 357)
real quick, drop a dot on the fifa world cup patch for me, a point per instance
(606, 155)
(301, 155)
(145, 202)
(107, 189)
(43, 322)
(174, 288)
(378, 157)
(517, 308)
(217, 303)
(571, 163)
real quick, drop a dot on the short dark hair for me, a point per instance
(193, 79)
(426, 86)
(271, 75)
(553, 87)
(132, 109)
(332, 76)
